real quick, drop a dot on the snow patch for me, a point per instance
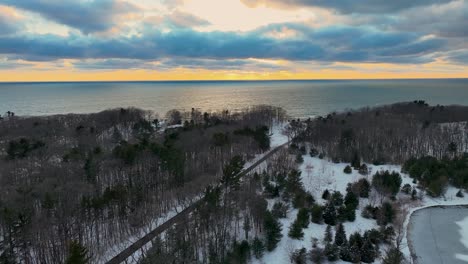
(277, 137)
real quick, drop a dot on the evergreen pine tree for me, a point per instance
(294, 182)
(299, 158)
(326, 194)
(351, 200)
(345, 252)
(332, 252)
(342, 214)
(295, 231)
(240, 252)
(329, 214)
(231, 177)
(363, 170)
(317, 255)
(340, 235)
(393, 256)
(350, 214)
(386, 214)
(356, 161)
(299, 256)
(247, 227)
(356, 239)
(272, 229)
(364, 188)
(90, 169)
(258, 248)
(348, 169)
(328, 238)
(303, 217)
(368, 252)
(316, 214)
(77, 254)
(279, 210)
(354, 253)
(337, 198)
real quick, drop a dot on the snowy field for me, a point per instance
(321, 174)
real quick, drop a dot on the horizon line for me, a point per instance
(233, 80)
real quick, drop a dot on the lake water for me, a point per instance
(299, 98)
(435, 235)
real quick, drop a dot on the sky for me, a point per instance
(121, 40)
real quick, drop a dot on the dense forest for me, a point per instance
(84, 183)
(77, 187)
(388, 134)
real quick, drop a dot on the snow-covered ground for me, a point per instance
(321, 174)
(277, 138)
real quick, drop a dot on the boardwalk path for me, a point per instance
(128, 252)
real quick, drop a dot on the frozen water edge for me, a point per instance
(435, 235)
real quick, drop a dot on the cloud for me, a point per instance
(348, 6)
(10, 21)
(88, 16)
(172, 4)
(6, 27)
(171, 63)
(449, 20)
(330, 44)
(7, 63)
(182, 19)
(458, 56)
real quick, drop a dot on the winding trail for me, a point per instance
(180, 217)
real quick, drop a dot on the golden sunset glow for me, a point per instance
(201, 74)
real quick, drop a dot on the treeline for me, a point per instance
(92, 181)
(388, 134)
(434, 175)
